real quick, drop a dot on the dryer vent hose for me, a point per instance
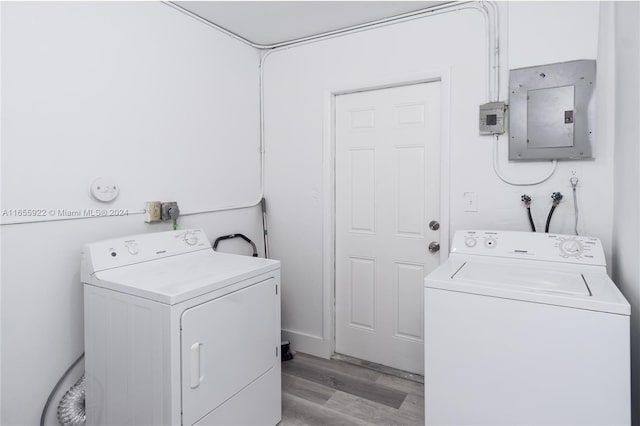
(71, 411)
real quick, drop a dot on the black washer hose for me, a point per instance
(546, 228)
(556, 197)
(526, 199)
(533, 226)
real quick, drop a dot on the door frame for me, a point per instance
(329, 181)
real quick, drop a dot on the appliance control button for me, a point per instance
(490, 242)
(470, 242)
(133, 248)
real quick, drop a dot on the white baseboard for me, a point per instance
(307, 343)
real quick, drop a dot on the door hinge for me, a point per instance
(276, 352)
(276, 288)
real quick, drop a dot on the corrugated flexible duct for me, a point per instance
(71, 411)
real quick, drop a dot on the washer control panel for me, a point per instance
(142, 248)
(530, 245)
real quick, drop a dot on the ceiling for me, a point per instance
(271, 22)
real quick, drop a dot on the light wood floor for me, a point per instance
(319, 392)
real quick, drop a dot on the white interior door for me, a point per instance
(387, 192)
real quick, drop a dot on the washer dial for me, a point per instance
(190, 238)
(571, 247)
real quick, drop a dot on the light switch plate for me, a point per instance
(470, 202)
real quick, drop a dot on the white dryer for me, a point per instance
(525, 329)
(177, 334)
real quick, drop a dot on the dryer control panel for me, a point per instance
(133, 249)
(531, 246)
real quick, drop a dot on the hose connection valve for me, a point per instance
(526, 199)
(556, 197)
(574, 182)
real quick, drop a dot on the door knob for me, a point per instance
(434, 247)
(434, 225)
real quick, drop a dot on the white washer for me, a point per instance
(525, 329)
(177, 334)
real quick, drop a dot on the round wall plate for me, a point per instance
(104, 190)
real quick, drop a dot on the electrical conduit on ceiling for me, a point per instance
(487, 9)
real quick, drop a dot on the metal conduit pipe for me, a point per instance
(494, 17)
(487, 9)
(448, 7)
(495, 96)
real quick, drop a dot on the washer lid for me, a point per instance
(521, 278)
(551, 283)
(178, 278)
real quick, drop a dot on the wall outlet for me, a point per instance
(153, 211)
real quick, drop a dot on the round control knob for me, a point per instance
(470, 242)
(571, 247)
(490, 242)
(190, 238)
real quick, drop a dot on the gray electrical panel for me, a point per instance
(551, 110)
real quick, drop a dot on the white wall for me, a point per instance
(626, 229)
(95, 85)
(138, 91)
(128, 91)
(299, 82)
